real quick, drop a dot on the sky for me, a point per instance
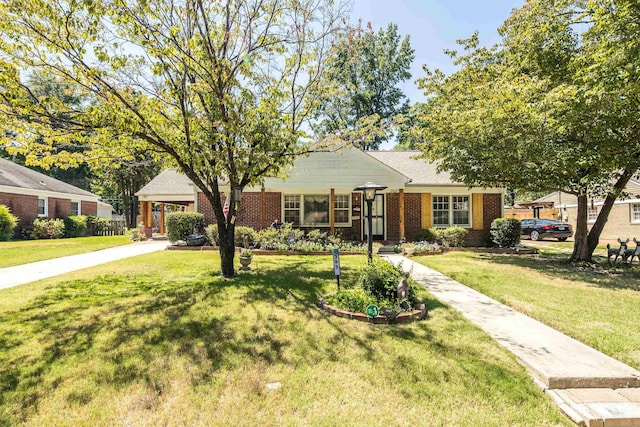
(435, 25)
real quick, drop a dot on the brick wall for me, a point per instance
(60, 208)
(412, 214)
(393, 217)
(491, 209)
(86, 208)
(248, 210)
(22, 206)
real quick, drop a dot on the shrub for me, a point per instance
(425, 235)
(75, 226)
(452, 237)
(354, 300)
(95, 225)
(380, 279)
(212, 234)
(505, 232)
(244, 236)
(281, 240)
(47, 228)
(182, 224)
(8, 222)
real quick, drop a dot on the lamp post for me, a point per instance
(369, 193)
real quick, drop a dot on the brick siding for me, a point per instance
(491, 209)
(60, 208)
(393, 217)
(23, 206)
(86, 208)
(412, 214)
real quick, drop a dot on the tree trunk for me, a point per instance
(581, 247)
(227, 249)
(587, 241)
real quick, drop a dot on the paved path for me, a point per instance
(591, 387)
(21, 274)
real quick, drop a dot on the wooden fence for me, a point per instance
(113, 228)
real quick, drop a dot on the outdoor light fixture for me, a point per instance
(369, 192)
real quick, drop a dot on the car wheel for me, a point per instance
(534, 235)
(562, 239)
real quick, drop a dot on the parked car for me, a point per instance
(538, 229)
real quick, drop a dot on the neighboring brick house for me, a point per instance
(319, 193)
(624, 219)
(30, 195)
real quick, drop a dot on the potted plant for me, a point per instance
(408, 248)
(245, 259)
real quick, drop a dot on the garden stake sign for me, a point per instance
(336, 266)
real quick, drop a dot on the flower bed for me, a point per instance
(403, 317)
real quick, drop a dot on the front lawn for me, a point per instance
(599, 308)
(162, 339)
(26, 251)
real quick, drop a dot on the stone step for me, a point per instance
(601, 407)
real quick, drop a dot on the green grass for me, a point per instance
(26, 251)
(599, 308)
(162, 339)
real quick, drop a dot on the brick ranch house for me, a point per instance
(30, 195)
(318, 193)
(624, 219)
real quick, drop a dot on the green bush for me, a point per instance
(47, 228)
(452, 237)
(380, 279)
(354, 300)
(425, 235)
(212, 234)
(245, 236)
(280, 240)
(8, 222)
(75, 226)
(182, 224)
(505, 232)
(95, 225)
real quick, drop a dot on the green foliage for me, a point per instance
(97, 225)
(75, 226)
(362, 94)
(505, 232)
(212, 234)
(452, 237)
(44, 228)
(280, 240)
(182, 224)
(552, 107)
(245, 236)
(380, 279)
(425, 235)
(8, 222)
(355, 300)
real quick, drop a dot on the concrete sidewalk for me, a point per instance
(21, 274)
(591, 387)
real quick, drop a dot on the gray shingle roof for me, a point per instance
(15, 175)
(419, 171)
(169, 181)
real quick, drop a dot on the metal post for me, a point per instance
(370, 227)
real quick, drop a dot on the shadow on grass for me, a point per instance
(123, 329)
(617, 276)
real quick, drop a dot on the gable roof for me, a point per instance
(15, 175)
(564, 199)
(169, 181)
(420, 171)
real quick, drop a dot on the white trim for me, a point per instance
(316, 193)
(469, 225)
(631, 220)
(168, 198)
(46, 207)
(79, 206)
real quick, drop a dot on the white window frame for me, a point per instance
(286, 207)
(592, 214)
(450, 204)
(301, 209)
(79, 207)
(634, 212)
(346, 209)
(46, 207)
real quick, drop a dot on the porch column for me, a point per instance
(263, 201)
(332, 220)
(146, 217)
(401, 203)
(162, 219)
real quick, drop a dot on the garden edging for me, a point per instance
(405, 317)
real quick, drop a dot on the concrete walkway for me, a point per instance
(592, 388)
(21, 274)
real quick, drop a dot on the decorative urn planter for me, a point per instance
(245, 262)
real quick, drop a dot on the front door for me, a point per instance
(377, 218)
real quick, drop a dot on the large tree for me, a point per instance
(555, 106)
(226, 88)
(362, 88)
